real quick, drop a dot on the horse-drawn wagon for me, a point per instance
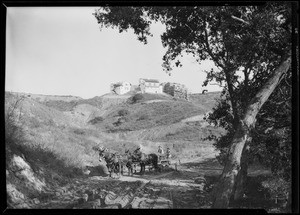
(164, 161)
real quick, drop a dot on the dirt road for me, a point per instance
(186, 188)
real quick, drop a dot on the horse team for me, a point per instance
(115, 162)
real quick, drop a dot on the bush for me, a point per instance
(120, 121)
(123, 112)
(96, 120)
(143, 117)
(136, 98)
(79, 131)
(14, 133)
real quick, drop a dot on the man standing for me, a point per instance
(168, 153)
(160, 152)
(101, 153)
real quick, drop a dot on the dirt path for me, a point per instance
(185, 188)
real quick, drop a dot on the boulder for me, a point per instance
(200, 180)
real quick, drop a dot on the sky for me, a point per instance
(62, 51)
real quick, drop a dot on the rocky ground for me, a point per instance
(185, 188)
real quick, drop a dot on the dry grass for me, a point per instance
(69, 139)
(145, 116)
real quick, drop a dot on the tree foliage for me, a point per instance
(247, 44)
(13, 121)
(14, 129)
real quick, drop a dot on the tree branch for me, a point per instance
(210, 52)
(239, 19)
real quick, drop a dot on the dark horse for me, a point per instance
(142, 159)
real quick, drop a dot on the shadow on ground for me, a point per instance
(100, 170)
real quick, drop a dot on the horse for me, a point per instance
(150, 159)
(112, 160)
(143, 160)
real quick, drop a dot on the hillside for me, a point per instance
(207, 101)
(59, 136)
(50, 161)
(45, 98)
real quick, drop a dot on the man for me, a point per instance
(168, 153)
(101, 153)
(160, 152)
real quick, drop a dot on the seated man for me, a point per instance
(168, 153)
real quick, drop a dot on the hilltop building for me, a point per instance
(135, 88)
(150, 86)
(176, 90)
(120, 88)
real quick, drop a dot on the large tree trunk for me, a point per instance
(227, 184)
(241, 177)
(232, 99)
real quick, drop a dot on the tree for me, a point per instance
(271, 137)
(242, 137)
(13, 127)
(252, 39)
(14, 131)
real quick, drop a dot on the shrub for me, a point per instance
(123, 112)
(136, 98)
(120, 121)
(143, 117)
(79, 131)
(14, 133)
(96, 120)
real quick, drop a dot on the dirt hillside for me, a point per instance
(55, 166)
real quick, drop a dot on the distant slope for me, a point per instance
(206, 101)
(44, 98)
(145, 115)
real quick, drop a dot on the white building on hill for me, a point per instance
(150, 86)
(120, 87)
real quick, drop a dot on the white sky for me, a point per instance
(61, 51)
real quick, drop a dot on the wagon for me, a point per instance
(164, 161)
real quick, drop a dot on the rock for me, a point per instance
(85, 197)
(96, 204)
(200, 180)
(23, 171)
(36, 201)
(14, 195)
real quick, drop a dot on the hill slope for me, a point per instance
(58, 137)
